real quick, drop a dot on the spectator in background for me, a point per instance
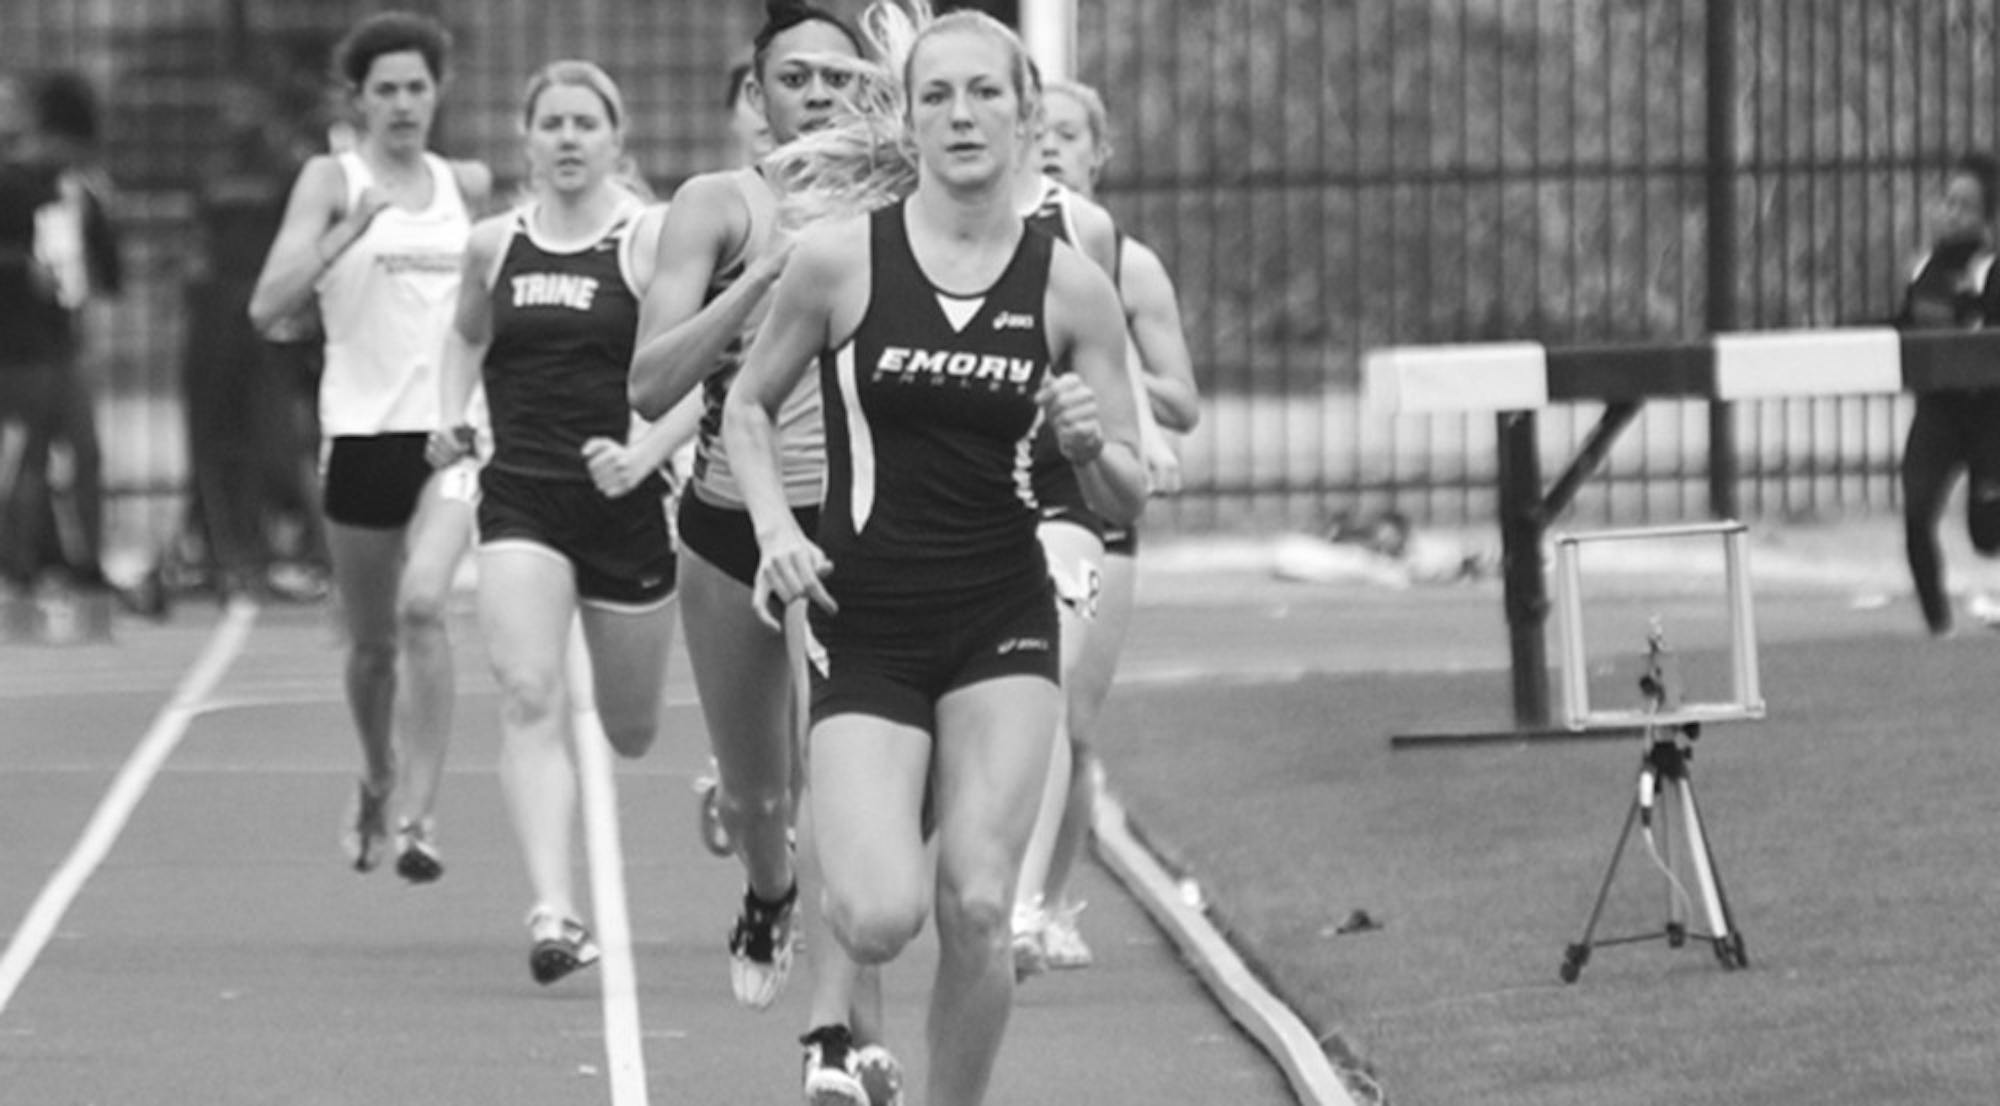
(28, 347)
(251, 469)
(1952, 286)
(76, 253)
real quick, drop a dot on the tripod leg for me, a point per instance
(1666, 823)
(1715, 906)
(1578, 954)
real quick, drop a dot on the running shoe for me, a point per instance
(364, 830)
(1063, 946)
(760, 948)
(416, 851)
(714, 834)
(561, 945)
(832, 1074)
(1031, 956)
(881, 1075)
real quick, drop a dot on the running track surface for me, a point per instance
(182, 928)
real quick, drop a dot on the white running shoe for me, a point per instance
(881, 1075)
(1031, 957)
(416, 851)
(561, 945)
(1062, 943)
(760, 948)
(832, 1077)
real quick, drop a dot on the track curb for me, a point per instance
(1274, 1025)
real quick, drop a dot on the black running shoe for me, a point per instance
(760, 948)
(832, 1075)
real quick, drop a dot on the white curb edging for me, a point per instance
(1242, 995)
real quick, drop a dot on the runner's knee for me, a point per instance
(874, 931)
(529, 695)
(973, 922)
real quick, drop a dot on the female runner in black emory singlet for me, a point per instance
(935, 323)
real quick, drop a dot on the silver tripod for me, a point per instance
(1669, 822)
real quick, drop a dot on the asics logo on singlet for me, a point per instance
(956, 364)
(1013, 320)
(554, 290)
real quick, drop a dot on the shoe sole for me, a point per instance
(550, 961)
(418, 866)
(831, 1091)
(881, 1078)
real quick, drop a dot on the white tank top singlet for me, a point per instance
(801, 435)
(386, 303)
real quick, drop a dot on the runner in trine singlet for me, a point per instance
(936, 324)
(377, 236)
(548, 314)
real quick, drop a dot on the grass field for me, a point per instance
(1852, 832)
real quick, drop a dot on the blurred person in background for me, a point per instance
(1075, 146)
(251, 472)
(30, 349)
(77, 250)
(376, 237)
(1952, 286)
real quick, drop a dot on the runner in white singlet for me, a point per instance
(373, 238)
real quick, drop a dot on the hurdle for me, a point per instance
(1515, 380)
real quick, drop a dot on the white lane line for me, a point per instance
(1263, 1015)
(624, 1054)
(126, 791)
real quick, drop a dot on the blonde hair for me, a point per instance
(575, 73)
(867, 159)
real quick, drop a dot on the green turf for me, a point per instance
(1853, 831)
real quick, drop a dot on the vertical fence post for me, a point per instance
(1048, 27)
(1722, 253)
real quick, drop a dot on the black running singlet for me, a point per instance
(930, 412)
(1058, 492)
(564, 325)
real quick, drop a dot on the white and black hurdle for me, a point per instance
(1515, 380)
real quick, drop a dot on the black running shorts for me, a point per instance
(619, 548)
(374, 482)
(896, 661)
(724, 536)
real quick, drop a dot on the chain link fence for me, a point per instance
(1327, 176)
(1322, 176)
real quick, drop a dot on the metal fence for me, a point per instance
(1326, 176)
(1322, 176)
(163, 69)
